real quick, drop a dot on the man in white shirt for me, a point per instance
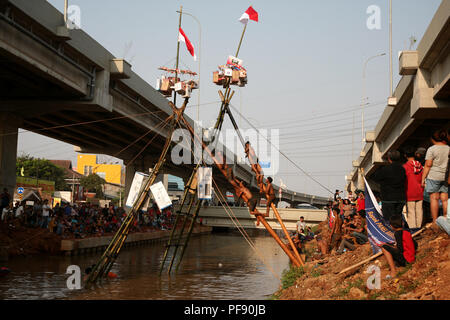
(45, 214)
(6, 212)
(301, 225)
(19, 210)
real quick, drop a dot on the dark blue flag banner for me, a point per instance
(379, 230)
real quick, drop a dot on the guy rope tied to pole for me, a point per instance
(106, 261)
(235, 74)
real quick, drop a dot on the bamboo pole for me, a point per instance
(180, 235)
(109, 256)
(240, 42)
(258, 214)
(191, 227)
(374, 256)
(278, 240)
(178, 55)
(277, 214)
(172, 233)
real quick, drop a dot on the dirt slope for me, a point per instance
(428, 278)
(24, 241)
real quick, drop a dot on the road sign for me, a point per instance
(20, 190)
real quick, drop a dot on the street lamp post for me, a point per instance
(364, 94)
(390, 50)
(199, 56)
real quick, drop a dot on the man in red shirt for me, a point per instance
(360, 202)
(414, 189)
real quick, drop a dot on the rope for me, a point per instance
(242, 230)
(163, 124)
(166, 122)
(282, 153)
(238, 225)
(85, 122)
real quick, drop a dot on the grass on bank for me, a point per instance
(289, 276)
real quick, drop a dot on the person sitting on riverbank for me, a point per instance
(359, 231)
(336, 230)
(405, 247)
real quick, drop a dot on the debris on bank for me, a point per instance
(19, 240)
(428, 278)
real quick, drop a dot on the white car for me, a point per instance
(306, 206)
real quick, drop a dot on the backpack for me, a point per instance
(409, 247)
(447, 171)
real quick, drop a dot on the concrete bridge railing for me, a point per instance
(218, 217)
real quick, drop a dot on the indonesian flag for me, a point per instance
(251, 14)
(182, 37)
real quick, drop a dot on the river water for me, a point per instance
(215, 266)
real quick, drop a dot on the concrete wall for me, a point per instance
(218, 217)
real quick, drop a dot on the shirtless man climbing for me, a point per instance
(254, 161)
(270, 194)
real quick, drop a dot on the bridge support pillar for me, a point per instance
(9, 129)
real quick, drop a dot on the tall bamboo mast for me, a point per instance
(178, 56)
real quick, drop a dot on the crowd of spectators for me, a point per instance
(413, 190)
(84, 219)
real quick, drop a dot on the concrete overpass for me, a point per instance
(420, 104)
(65, 85)
(217, 217)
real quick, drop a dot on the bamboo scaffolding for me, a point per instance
(106, 261)
(259, 216)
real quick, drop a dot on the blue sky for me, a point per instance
(304, 62)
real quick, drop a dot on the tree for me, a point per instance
(93, 183)
(41, 169)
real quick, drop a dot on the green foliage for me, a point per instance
(359, 283)
(289, 277)
(316, 273)
(375, 295)
(275, 296)
(408, 287)
(404, 270)
(93, 183)
(41, 169)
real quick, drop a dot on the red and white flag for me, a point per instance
(251, 14)
(182, 37)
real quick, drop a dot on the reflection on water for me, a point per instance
(216, 266)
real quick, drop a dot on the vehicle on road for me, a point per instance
(306, 206)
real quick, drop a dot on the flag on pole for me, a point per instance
(251, 14)
(379, 231)
(183, 38)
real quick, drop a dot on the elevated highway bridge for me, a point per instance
(63, 84)
(218, 217)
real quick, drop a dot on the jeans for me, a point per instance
(44, 222)
(361, 238)
(444, 223)
(345, 244)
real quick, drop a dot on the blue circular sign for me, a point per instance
(20, 190)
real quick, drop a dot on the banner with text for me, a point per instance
(379, 230)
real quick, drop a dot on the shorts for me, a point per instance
(398, 257)
(435, 186)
